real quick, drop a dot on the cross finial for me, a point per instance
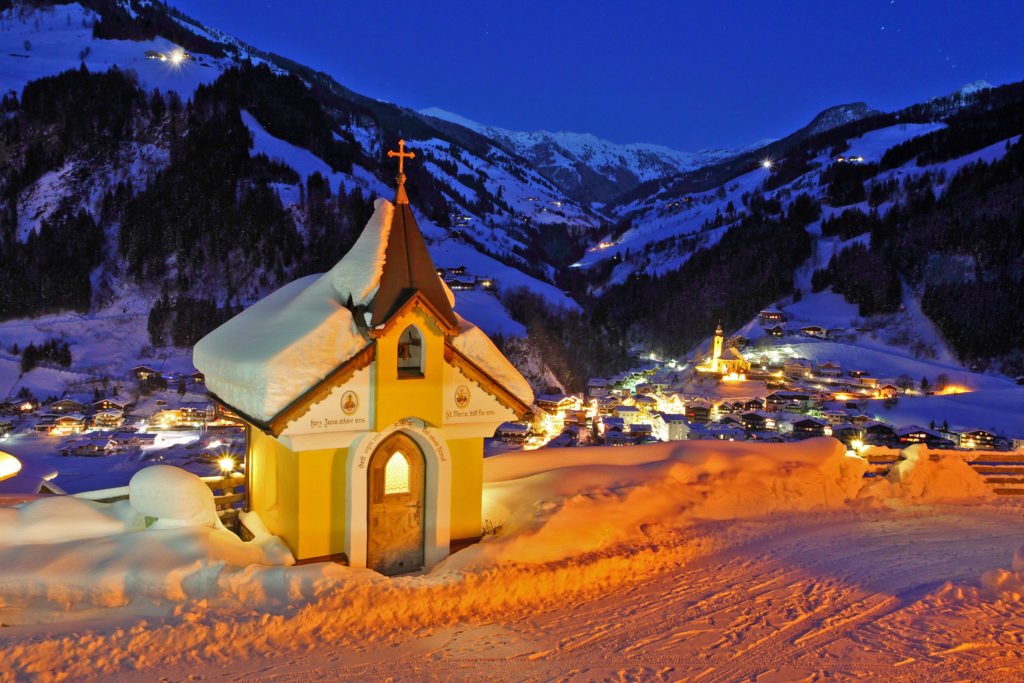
(400, 196)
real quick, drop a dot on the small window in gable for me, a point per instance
(396, 474)
(410, 353)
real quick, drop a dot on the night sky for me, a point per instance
(685, 74)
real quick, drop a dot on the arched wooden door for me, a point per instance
(395, 481)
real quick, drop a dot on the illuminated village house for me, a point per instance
(366, 399)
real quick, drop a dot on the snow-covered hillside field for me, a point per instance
(694, 560)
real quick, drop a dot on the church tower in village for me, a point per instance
(716, 348)
(366, 399)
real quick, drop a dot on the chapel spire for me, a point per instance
(400, 196)
(408, 268)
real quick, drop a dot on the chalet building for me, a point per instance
(144, 372)
(770, 315)
(630, 415)
(126, 439)
(777, 331)
(716, 432)
(461, 284)
(108, 419)
(698, 411)
(797, 368)
(610, 422)
(597, 387)
(366, 402)
(869, 382)
(69, 424)
(671, 427)
(109, 404)
(606, 404)
(647, 404)
(978, 440)
(835, 417)
(9, 408)
(65, 406)
(553, 404)
(830, 369)
(757, 422)
(726, 432)
(6, 427)
(814, 331)
(787, 400)
(616, 437)
(753, 404)
(642, 431)
(197, 378)
(856, 374)
(808, 427)
(729, 407)
(888, 391)
(512, 432)
(731, 420)
(912, 434)
(87, 446)
(879, 434)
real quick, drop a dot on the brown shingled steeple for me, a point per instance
(408, 268)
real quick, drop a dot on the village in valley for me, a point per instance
(738, 388)
(753, 385)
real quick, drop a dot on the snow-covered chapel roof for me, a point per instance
(273, 352)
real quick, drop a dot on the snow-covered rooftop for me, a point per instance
(274, 351)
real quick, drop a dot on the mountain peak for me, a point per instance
(833, 117)
(973, 87)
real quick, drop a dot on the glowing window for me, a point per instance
(396, 474)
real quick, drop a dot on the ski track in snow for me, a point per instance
(849, 596)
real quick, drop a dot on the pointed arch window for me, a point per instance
(396, 474)
(410, 353)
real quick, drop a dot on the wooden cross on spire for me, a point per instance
(400, 196)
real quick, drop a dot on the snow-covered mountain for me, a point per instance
(833, 117)
(587, 167)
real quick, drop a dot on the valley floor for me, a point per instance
(855, 595)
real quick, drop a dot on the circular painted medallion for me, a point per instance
(349, 402)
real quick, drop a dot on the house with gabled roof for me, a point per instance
(366, 400)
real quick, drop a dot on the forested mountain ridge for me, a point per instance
(923, 203)
(182, 194)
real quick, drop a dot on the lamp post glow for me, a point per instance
(226, 464)
(767, 164)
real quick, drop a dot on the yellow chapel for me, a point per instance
(366, 400)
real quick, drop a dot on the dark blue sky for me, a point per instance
(689, 75)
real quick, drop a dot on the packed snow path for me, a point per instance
(847, 595)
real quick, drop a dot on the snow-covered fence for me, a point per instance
(1003, 471)
(228, 491)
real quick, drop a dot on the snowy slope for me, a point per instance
(60, 38)
(614, 565)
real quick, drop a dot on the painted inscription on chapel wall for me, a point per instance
(464, 402)
(345, 409)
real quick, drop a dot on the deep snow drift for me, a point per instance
(573, 525)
